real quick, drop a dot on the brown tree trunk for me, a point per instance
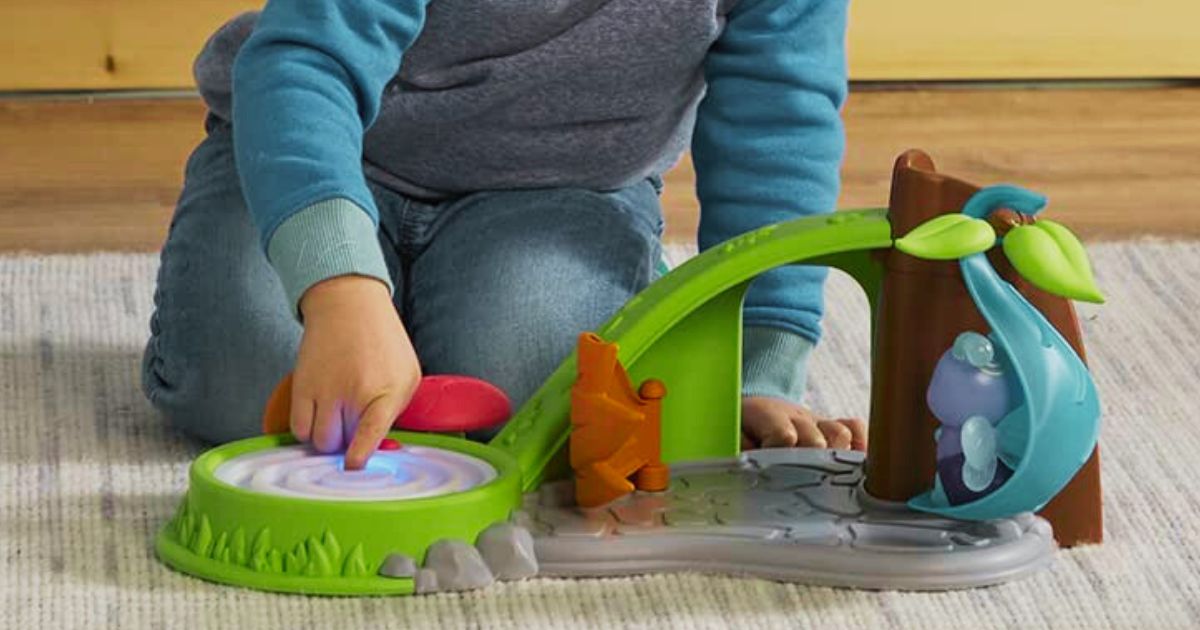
(924, 305)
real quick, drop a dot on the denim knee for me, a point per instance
(221, 335)
(509, 280)
(215, 396)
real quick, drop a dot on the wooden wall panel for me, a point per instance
(104, 175)
(150, 44)
(1023, 39)
(106, 44)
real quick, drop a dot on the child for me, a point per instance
(473, 209)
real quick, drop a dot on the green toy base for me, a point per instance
(793, 515)
(229, 534)
(185, 560)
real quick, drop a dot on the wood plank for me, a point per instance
(1115, 163)
(1023, 39)
(81, 176)
(104, 175)
(149, 44)
(106, 44)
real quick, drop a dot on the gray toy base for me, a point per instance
(795, 515)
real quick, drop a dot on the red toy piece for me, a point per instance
(388, 444)
(454, 404)
(442, 403)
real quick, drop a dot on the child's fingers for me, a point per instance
(837, 435)
(807, 432)
(327, 427)
(373, 426)
(303, 410)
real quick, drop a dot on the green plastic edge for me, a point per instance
(296, 526)
(700, 300)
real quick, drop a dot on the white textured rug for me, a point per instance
(87, 474)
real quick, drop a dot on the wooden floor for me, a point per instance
(103, 175)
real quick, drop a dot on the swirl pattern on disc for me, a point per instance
(412, 472)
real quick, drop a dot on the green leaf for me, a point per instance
(237, 547)
(319, 564)
(187, 527)
(262, 543)
(354, 565)
(332, 548)
(948, 237)
(220, 547)
(260, 552)
(1049, 256)
(295, 560)
(202, 543)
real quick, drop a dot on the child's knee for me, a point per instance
(212, 402)
(195, 406)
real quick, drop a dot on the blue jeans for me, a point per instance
(495, 285)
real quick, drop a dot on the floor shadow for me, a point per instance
(81, 402)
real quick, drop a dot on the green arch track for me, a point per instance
(685, 330)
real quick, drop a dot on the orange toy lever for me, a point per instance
(442, 403)
(277, 416)
(615, 432)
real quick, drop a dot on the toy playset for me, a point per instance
(983, 429)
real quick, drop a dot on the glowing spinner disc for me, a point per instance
(410, 473)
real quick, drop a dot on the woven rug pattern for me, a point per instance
(88, 473)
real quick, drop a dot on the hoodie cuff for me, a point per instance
(774, 363)
(325, 240)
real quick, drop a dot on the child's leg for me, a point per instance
(222, 334)
(509, 280)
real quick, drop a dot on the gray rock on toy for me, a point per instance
(425, 582)
(458, 566)
(398, 565)
(508, 551)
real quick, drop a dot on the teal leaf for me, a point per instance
(1052, 258)
(948, 237)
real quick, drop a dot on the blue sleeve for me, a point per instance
(306, 85)
(768, 142)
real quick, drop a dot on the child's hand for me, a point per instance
(773, 423)
(356, 370)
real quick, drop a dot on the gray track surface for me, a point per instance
(795, 515)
